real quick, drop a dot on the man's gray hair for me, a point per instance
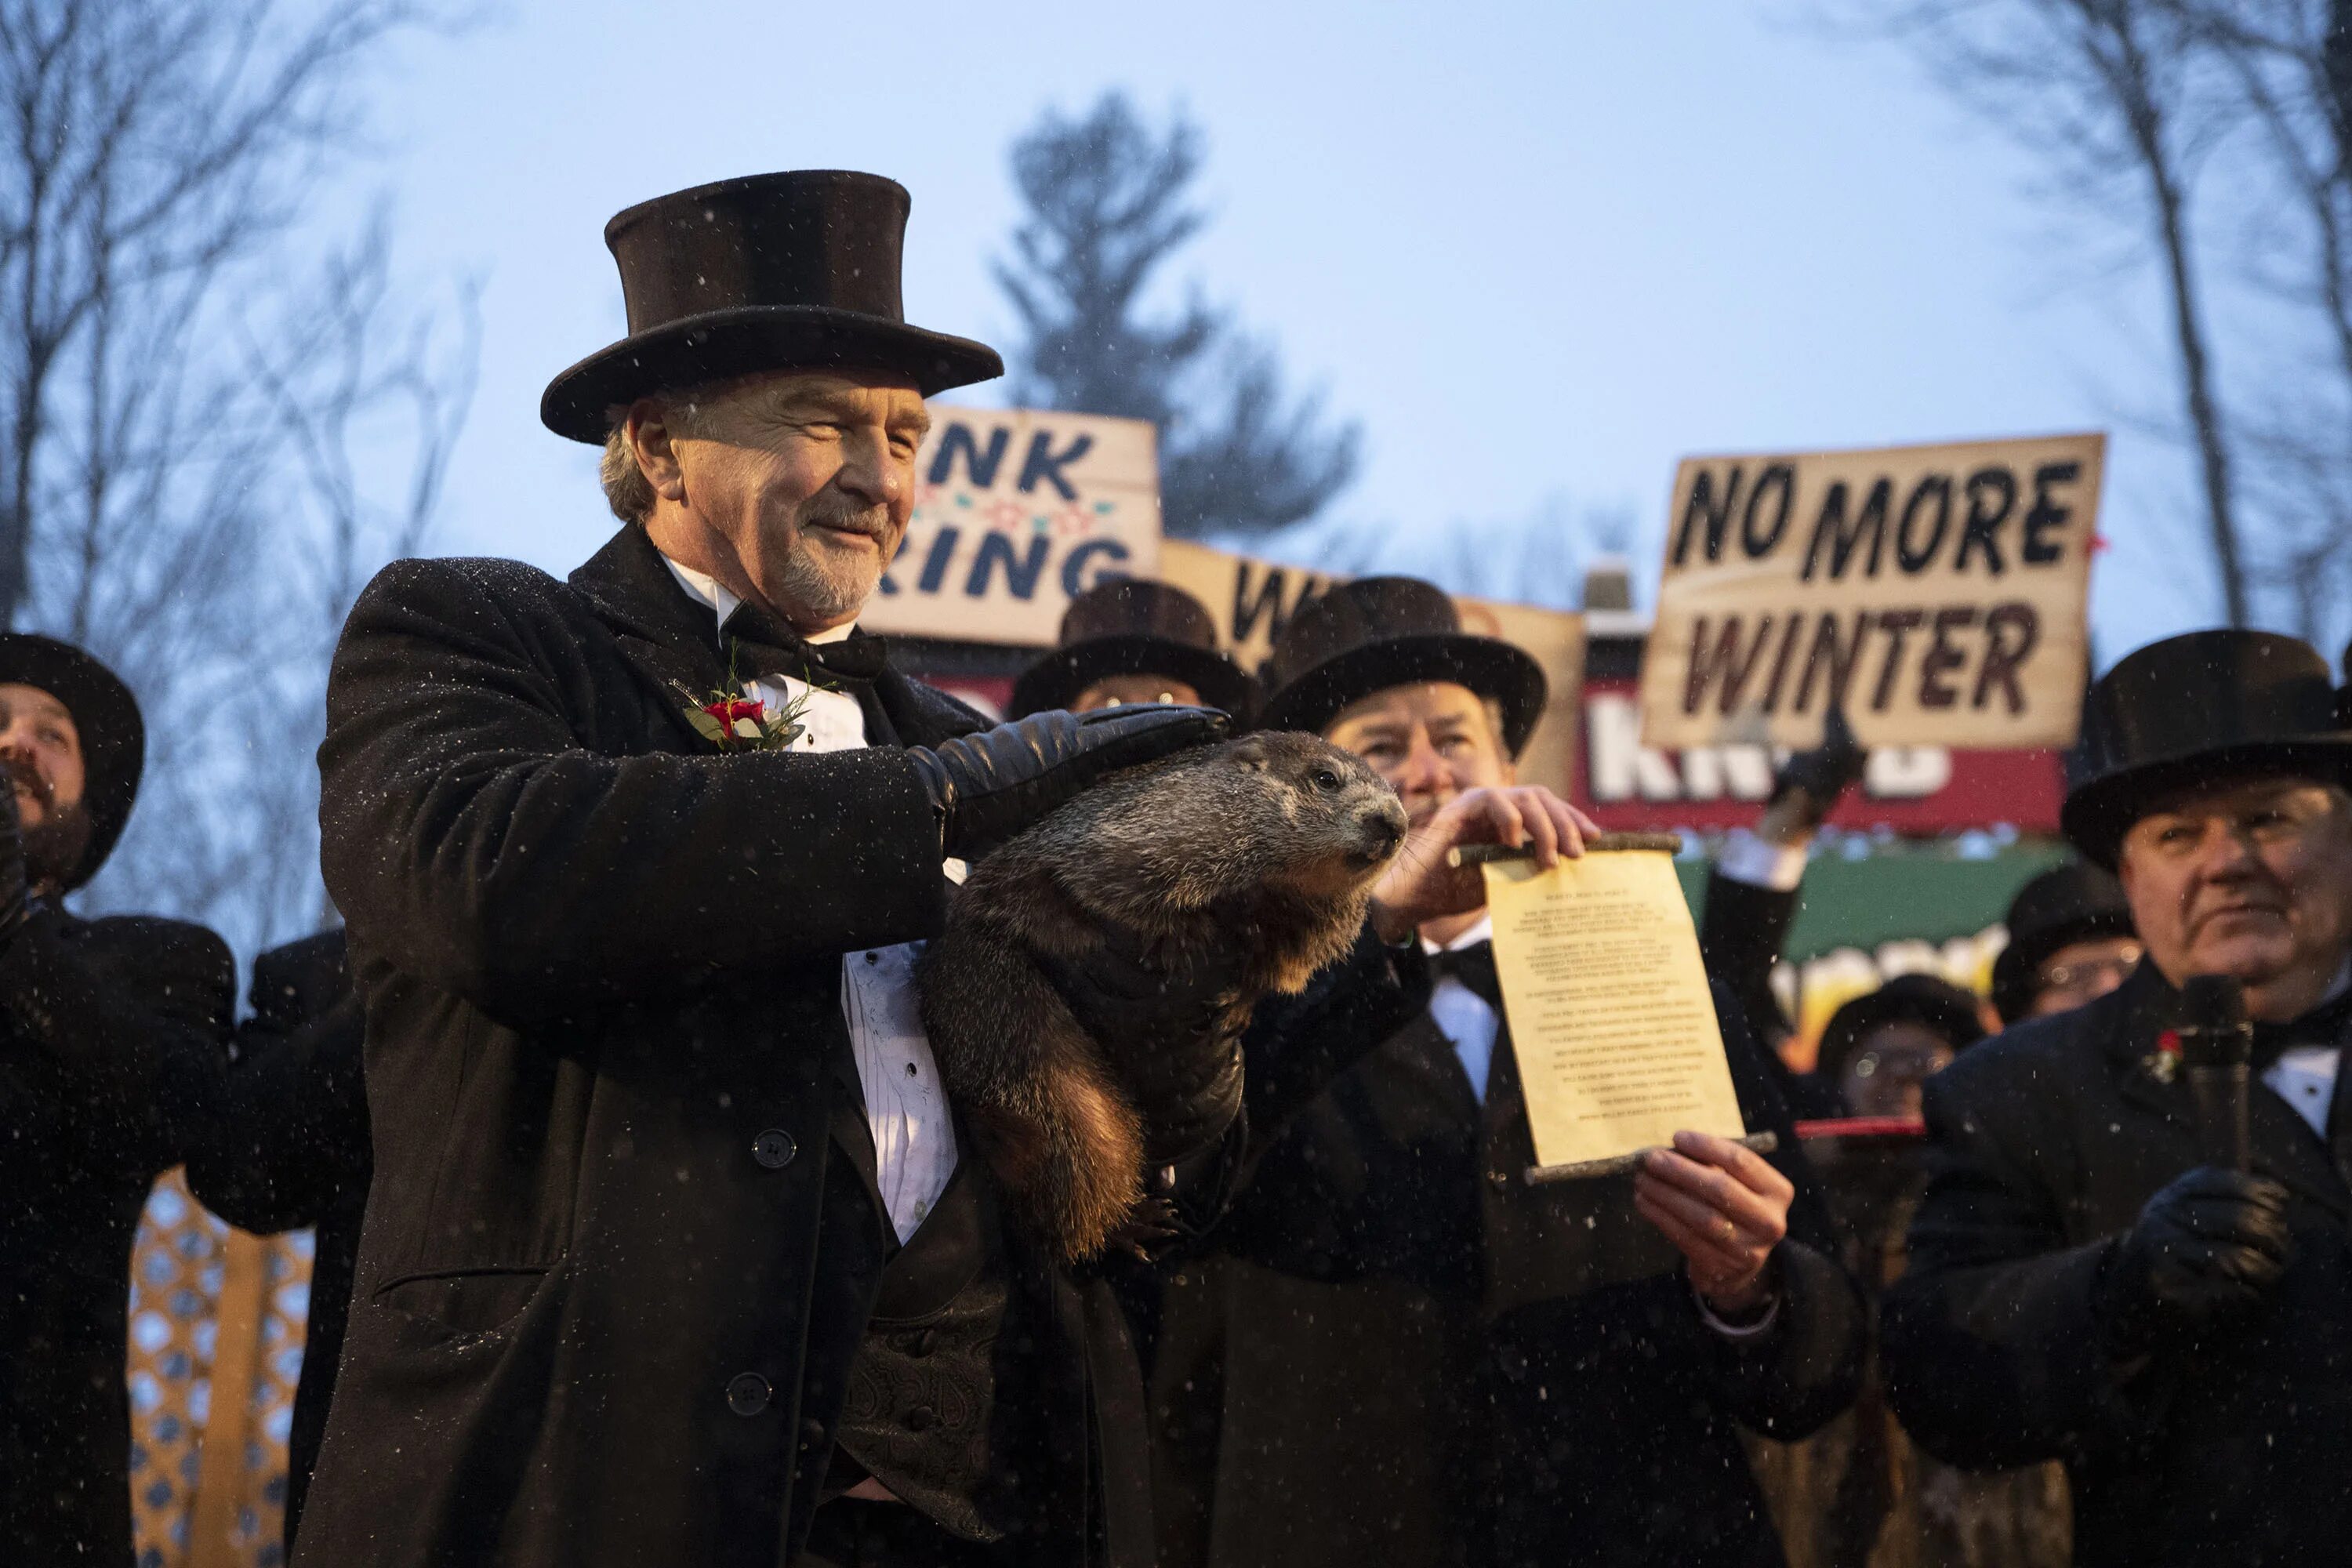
(626, 490)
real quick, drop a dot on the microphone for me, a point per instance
(2217, 1046)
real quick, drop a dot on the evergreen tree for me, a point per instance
(1109, 200)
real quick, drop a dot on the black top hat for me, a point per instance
(106, 716)
(1927, 1000)
(768, 272)
(1373, 633)
(2069, 903)
(1134, 628)
(2199, 709)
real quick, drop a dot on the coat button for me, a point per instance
(920, 1418)
(748, 1393)
(775, 1148)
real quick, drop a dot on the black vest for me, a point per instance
(920, 1416)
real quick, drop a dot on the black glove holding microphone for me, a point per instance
(2202, 1259)
(988, 785)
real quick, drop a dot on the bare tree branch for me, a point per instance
(2119, 99)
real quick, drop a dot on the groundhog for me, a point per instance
(1257, 855)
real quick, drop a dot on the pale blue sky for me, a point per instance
(1540, 249)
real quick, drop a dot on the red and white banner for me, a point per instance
(1913, 790)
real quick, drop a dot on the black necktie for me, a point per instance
(1473, 966)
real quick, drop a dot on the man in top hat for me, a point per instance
(2085, 1283)
(675, 1249)
(112, 1041)
(1134, 641)
(1401, 1350)
(2070, 941)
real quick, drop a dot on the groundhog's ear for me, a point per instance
(1250, 753)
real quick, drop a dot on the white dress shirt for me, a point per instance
(2304, 1075)
(1746, 857)
(906, 1108)
(1463, 1015)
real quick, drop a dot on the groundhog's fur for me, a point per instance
(1260, 852)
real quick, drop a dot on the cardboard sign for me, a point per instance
(1252, 601)
(1018, 512)
(1937, 592)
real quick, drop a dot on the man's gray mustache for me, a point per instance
(874, 526)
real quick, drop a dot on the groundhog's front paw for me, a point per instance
(1151, 1225)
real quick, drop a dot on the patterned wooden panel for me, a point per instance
(186, 1268)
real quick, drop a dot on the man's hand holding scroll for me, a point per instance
(1419, 886)
(1725, 1209)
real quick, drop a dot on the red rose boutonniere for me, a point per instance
(734, 722)
(2164, 1062)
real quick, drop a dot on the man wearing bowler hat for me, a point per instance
(675, 1250)
(112, 1039)
(1399, 1351)
(2094, 1276)
(1134, 641)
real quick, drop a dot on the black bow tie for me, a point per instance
(2329, 1025)
(1473, 966)
(759, 644)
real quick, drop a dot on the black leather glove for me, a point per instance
(2203, 1257)
(1173, 1034)
(1823, 774)
(15, 880)
(990, 786)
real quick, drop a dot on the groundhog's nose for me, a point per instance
(1382, 827)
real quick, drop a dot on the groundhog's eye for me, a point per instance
(1325, 778)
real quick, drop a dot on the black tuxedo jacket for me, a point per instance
(1398, 1351)
(614, 1265)
(113, 1038)
(290, 1148)
(2045, 1143)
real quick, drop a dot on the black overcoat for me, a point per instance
(288, 1147)
(112, 1038)
(2046, 1142)
(619, 1251)
(1349, 1376)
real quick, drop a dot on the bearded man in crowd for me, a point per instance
(2084, 1285)
(111, 1043)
